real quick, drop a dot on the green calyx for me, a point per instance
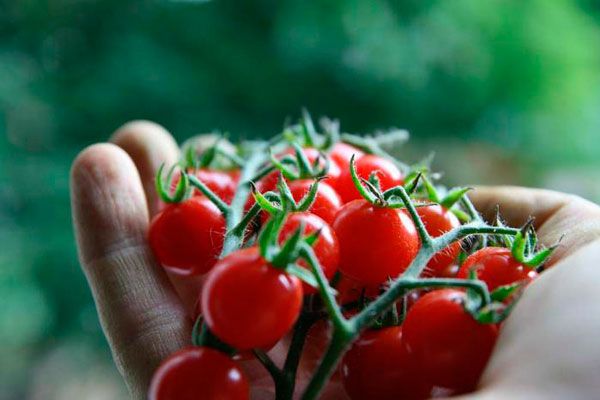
(210, 151)
(368, 188)
(274, 203)
(298, 166)
(523, 247)
(284, 256)
(163, 186)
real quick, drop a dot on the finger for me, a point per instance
(556, 214)
(141, 316)
(149, 145)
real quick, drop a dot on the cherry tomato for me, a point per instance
(387, 173)
(187, 237)
(496, 267)
(235, 175)
(222, 183)
(379, 367)
(326, 247)
(327, 202)
(376, 243)
(446, 341)
(199, 373)
(269, 182)
(248, 303)
(342, 152)
(437, 221)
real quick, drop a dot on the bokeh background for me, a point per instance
(504, 91)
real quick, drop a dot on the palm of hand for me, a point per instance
(546, 349)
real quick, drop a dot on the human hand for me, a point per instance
(546, 348)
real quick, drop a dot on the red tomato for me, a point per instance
(446, 341)
(235, 175)
(248, 303)
(327, 202)
(375, 243)
(326, 247)
(342, 152)
(269, 182)
(378, 367)
(187, 237)
(437, 221)
(496, 267)
(388, 174)
(199, 372)
(221, 183)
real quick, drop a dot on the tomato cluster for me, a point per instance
(335, 226)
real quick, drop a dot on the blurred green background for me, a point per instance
(504, 92)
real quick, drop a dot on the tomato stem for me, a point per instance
(216, 200)
(269, 365)
(340, 323)
(232, 240)
(426, 240)
(339, 343)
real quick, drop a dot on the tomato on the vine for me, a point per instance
(437, 221)
(379, 367)
(327, 202)
(187, 237)
(248, 303)
(376, 243)
(496, 267)
(199, 372)
(446, 341)
(387, 173)
(326, 247)
(342, 152)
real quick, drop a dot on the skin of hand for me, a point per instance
(547, 349)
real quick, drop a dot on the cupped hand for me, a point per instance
(547, 348)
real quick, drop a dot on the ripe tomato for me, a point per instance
(342, 152)
(437, 221)
(199, 372)
(446, 341)
(248, 303)
(187, 237)
(326, 247)
(269, 182)
(379, 367)
(496, 267)
(389, 176)
(222, 183)
(327, 202)
(375, 243)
